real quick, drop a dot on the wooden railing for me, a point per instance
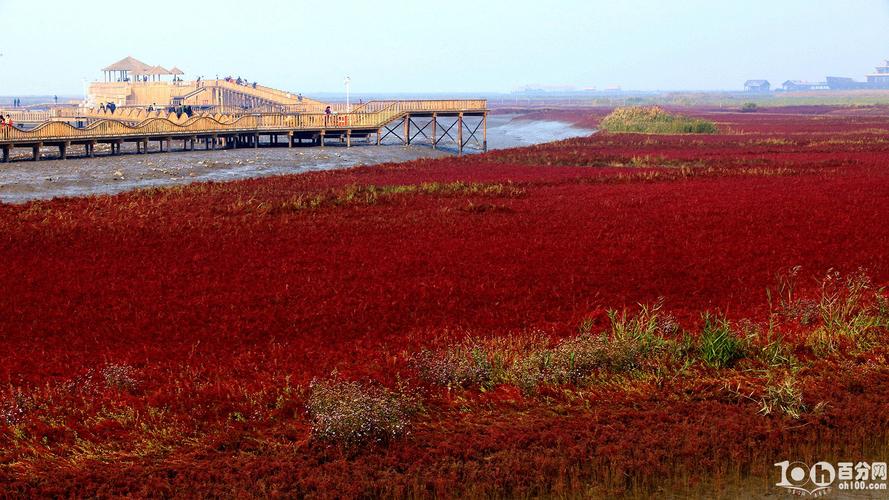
(260, 91)
(135, 122)
(27, 116)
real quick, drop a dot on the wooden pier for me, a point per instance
(460, 122)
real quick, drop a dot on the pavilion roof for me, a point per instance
(158, 70)
(128, 64)
(177, 71)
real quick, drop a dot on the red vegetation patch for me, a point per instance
(164, 341)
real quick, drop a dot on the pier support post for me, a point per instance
(460, 134)
(214, 140)
(434, 130)
(407, 129)
(144, 146)
(6, 154)
(36, 151)
(91, 149)
(63, 150)
(348, 138)
(289, 139)
(256, 141)
(378, 137)
(485, 133)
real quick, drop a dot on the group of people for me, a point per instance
(5, 122)
(240, 81)
(178, 110)
(110, 107)
(16, 102)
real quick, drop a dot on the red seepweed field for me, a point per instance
(622, 314)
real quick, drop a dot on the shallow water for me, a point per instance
(21, 181)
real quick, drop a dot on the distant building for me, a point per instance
(880, 79)
(801, 86)
(877, 80)
(844, 83)
(760, 86)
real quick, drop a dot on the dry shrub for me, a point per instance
(120, 376)
(784, 397)
(15, 406)
(352, 413)
(477, 362)
(576, 361)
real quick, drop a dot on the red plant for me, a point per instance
(215, 306)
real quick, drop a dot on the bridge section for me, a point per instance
(436, 120)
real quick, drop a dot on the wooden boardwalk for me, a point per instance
(403, 119)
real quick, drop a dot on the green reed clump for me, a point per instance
(848, 311)
(654, 120)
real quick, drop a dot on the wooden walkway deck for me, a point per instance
(379, 118)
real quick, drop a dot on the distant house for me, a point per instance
(757, 86)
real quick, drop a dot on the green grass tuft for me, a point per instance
(719, 346)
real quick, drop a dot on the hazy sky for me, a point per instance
(51, 46)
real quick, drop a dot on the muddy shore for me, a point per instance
(21, 181)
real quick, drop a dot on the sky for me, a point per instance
(53, 46)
